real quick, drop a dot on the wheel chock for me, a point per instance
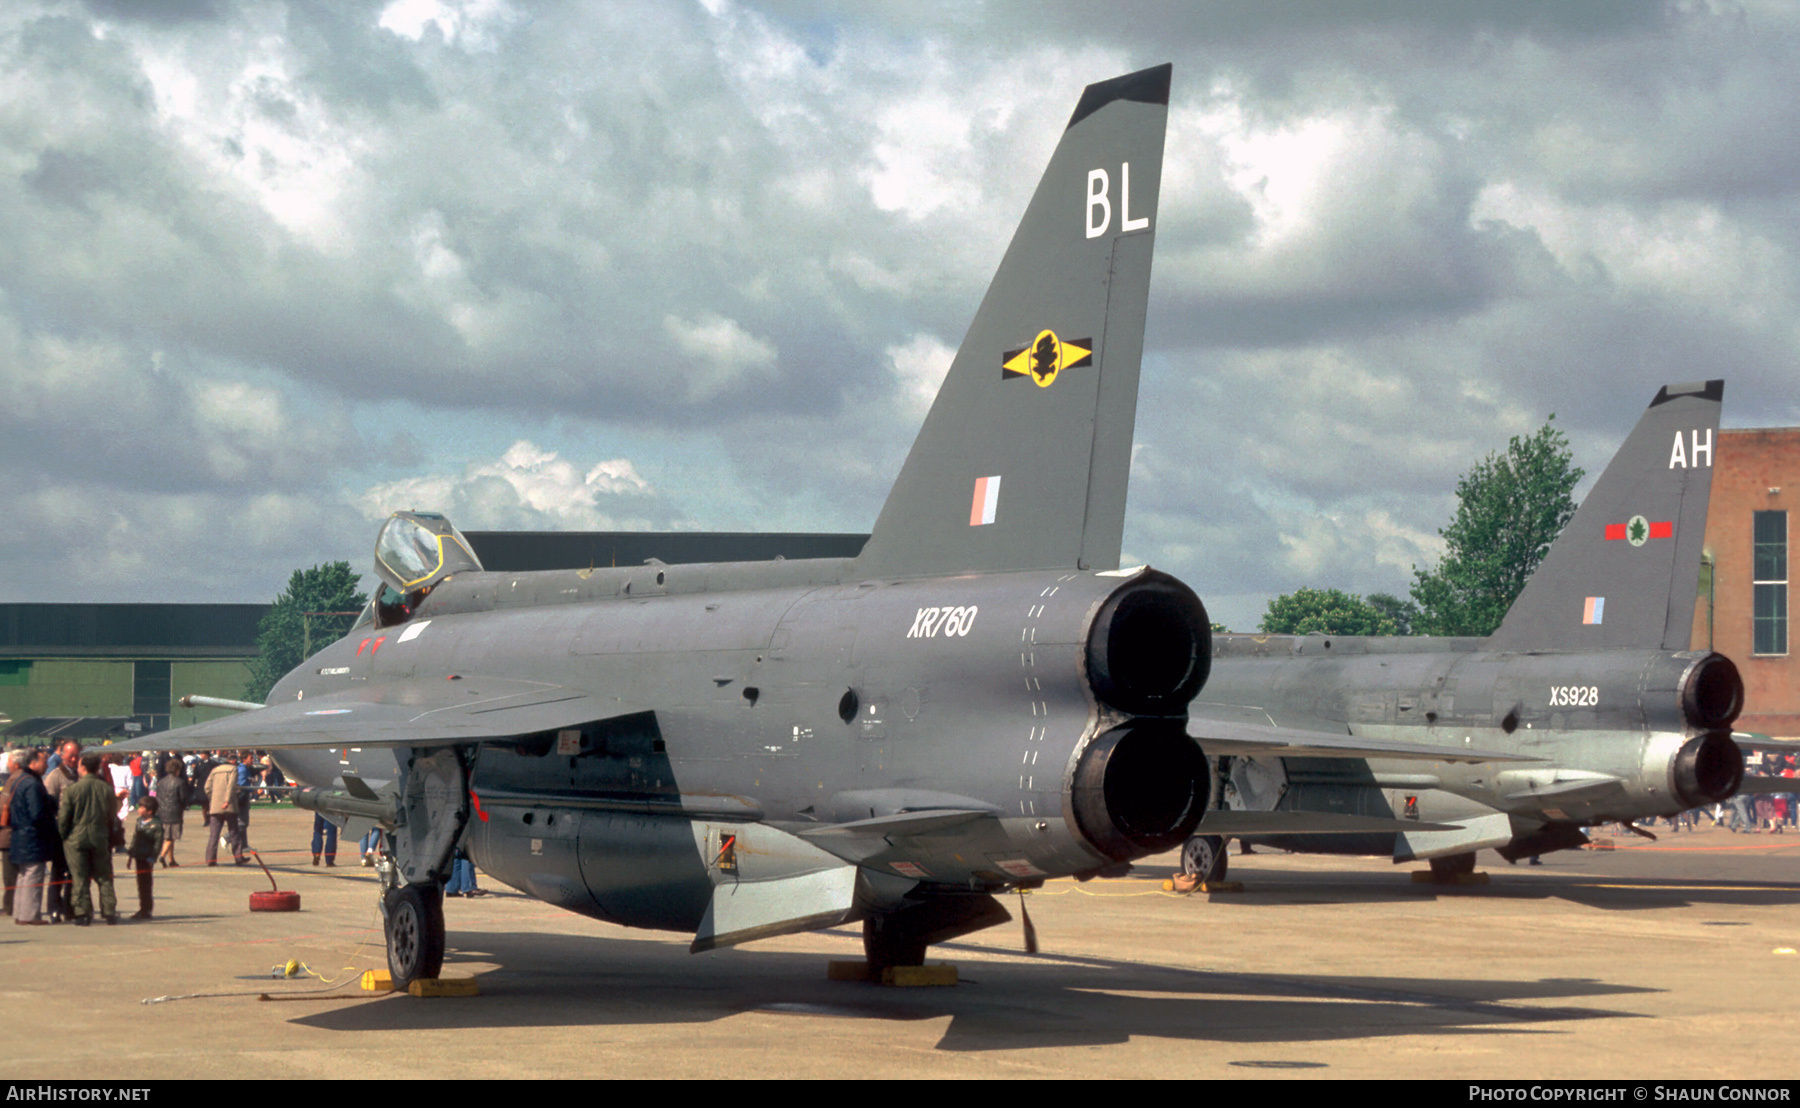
(851, 971)
(1187, 883)
(377, 981)
(443, 986)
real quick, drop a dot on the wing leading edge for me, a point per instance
(414, 713)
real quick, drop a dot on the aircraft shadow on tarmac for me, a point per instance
(1042, 1001)
(1609, 893)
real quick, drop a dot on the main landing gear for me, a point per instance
(887, 943)
(1450, 868)
(1204, 856)
(900, 935)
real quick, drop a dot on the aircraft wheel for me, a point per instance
(415, 933)
(1204, 856)
(886, 944)
(1453, 865)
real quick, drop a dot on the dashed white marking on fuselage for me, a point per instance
(1040, 708)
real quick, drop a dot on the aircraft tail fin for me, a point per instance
(1023, 459)
(1626, 569)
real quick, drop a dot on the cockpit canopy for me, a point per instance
(414, 552)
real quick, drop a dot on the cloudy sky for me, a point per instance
(268, 271)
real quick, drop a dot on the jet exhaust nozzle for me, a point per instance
(1707, 769)
(1712, 692)
(1140, 788)
(1149, 649)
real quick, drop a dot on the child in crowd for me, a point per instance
(146, 843)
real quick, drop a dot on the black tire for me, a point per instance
(885, 944)
(1450, 866)
(1204, 856)
(415, 933)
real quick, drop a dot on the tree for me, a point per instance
(1403, 613)
(282, 638)
(1325, 610)
(1510, 508)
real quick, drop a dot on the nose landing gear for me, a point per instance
(415, 932)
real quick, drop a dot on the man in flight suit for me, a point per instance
(85, 818)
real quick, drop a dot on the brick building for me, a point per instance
(1743, 608)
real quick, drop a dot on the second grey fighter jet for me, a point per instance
(1589, 675)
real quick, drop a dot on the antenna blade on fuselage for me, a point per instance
(409, 713)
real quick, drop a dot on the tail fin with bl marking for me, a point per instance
(1022, 461)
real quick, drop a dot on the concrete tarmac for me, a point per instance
(1673, 959)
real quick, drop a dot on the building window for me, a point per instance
(1769, 580)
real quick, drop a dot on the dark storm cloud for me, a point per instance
(1393, 235)
(533, 243)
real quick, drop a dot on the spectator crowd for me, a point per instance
(65, 814)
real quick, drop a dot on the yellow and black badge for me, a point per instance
(1046, 357)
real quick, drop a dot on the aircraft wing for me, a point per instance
(1754, 785)
(420, 712)
(1756, 740)
(1228, 736)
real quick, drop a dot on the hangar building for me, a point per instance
(94, 671)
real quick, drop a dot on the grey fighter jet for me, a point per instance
(978, 702)
(981, 700)
(1589, 674)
